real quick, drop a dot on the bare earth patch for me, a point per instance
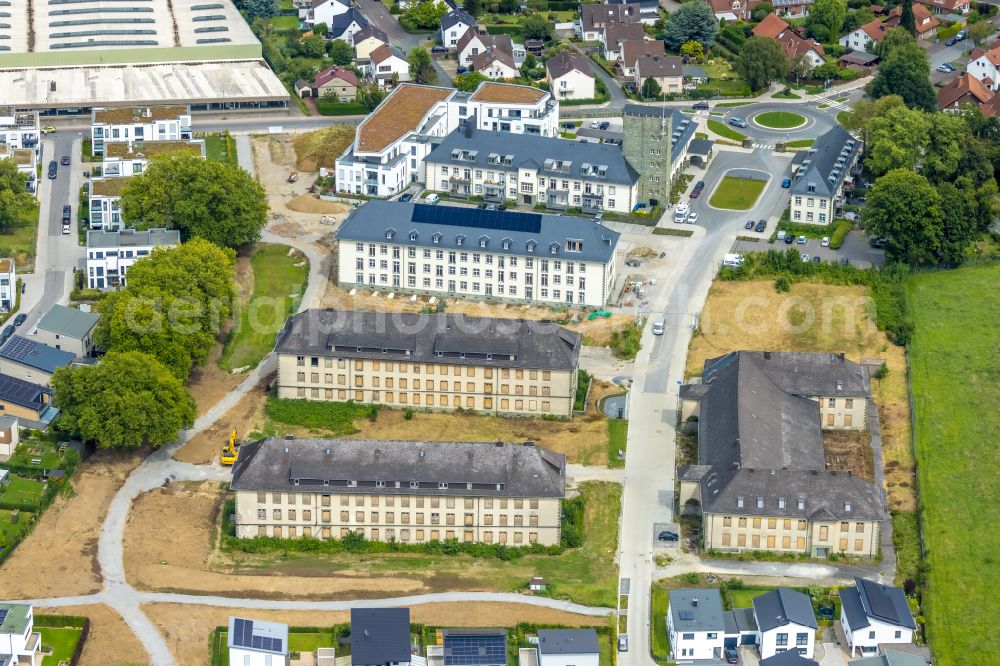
(59, 557)
(204, 447)
(822, 318)
(849, 451)
(187, 628)
(111, 642)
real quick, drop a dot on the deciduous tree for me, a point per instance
(312, 46)
(426, 14)
(421, 68)
(127, 400)
(980, 31)
(761, 61)
(468, 82)
(14, 198)
(693, 50)
(650, 88)
(258, 8)
(692, 21)
(905, 209)
(905, 72)
(340, 52)
(826, 18)
(536, 27)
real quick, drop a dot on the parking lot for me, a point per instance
(856, 249)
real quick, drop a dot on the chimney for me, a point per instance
(767, 356)
(694, 602)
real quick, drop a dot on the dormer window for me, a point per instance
(802, 504)
(442, 485)
(506, 245)
(389, 234)
(531, 246)
(459, 240)
(739, 502)
(781, 502)
(760, 502)
(847, 507)
(436, 238)
(483, 242)
(413, 235)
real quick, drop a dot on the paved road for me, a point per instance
(817, 123)
(380, 17)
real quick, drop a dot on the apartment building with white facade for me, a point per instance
(437, 362)
(820, 174)
(20, 644)
(8, 283)
(403, 491)
(19, 141)
(111, 253)
(471, 253)
(532, 170)
(390, 145)
(155, 123)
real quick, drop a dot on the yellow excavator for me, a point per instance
(231, 451)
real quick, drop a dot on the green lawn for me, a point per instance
(285, 22)
(743, 597)
(737, 193)
(21, 490)
(906, 538)
(954, 370)
(308, 642)
(725, 131)
(331, 107)
(279, 280)
(218, 149)
(842, 117)
(62, 641)
(786, 95)
(730, 105)
(661, 641)
(800, 143)
(18, 240)
(617, 438)
(11, 533)
(780, 119)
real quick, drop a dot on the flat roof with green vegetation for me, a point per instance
(735, 193)
(954, 367)
(780, 119)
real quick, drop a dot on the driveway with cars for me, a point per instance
(855, 249)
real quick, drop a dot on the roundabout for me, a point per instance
(780, 120)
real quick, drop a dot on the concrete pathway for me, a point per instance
(244, 153)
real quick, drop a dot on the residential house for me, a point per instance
(568, 647)
(926, 21)
(632, 49)
(367, 40)
(389, 66)
(105, 195)
(323, 11)
(556, 173)
(128, 124)
(792, 8)
(319, 358)
(347, 24)
(761, 482)
(534, 46)
(19, 129)
(655, 143)
(984, 64)
(495, 64)
(32, 361)
(334, 81)
(111, 253)
(869, 35)
(380, 636)
(20, 644)
(593, 18)
(70, 329)
(792, 43)
(665, 70)
(8, 284)
(26, 160)
(730, 10)
(695, 624)
(10, 436)
(785, 623)
(474, 43)
(391, 143)
(967, 89)
(891, 658)
(945, 6)
(694, 75)
(570, 76)
(788, 658)
(866, 38)
(649, 10)
(461, 647)
(820, 174)
(873, 614)
(614, 34)
(546, 259)
(403, 491)
(29, 402)
(454, 25)
(257, 643)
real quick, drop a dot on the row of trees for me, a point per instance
(14, 197)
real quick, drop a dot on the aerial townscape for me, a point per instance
(499, 333)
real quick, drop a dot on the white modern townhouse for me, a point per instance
(155, 123)
(873, 615)
(111, 253)
(20, 644)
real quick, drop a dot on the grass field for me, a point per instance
(725, 131)
(779, 119)
(737, 193)
(21, 490)
(278, 282)
(729, 105)
(62, 641)
(11, 533)
(216, 149)
(284, 22)
(955, 376)
(800, 143)
(617, 438)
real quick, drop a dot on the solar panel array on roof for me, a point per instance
(243, 636)
(501, 220)
(484, 650)
(19, 348)
(19, 391)
(880, 602)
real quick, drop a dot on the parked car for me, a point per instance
(48, 129)
(951, 41)
(492, 206)
(803, 240)
(699, 186)
(692, 218)
(738, 122)
(789, 239)
(8, 331)
(877, 243)
(439, 49)
(658, 326)
(67, 214)
(432, 199)
(961, 35)
(825, 242)
(780, 235)
(700, 106)
(749, 225)
(667, 535)
(481, 206)
(462, 70)
(64, 160)
(20, 319)
(406, 198)
(605, 125)
(569, 124)
(594, 124)
(805, 258)
(53, 168)
(817, 259)
(844, 261)
(786, 183)
(633, 263)
(613, 142)
(761, 226)
(695, 194)
(623, 643)
(66, 230)
(732, 656)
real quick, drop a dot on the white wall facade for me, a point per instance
(568, 660)
(241, 657)
(876, 632)
(324, 13)
(174, 129)
(688, 645)
(19, 129)
(982, 68)
(8, 286)
(105, 212)
(574, 84)
(499, 71)
(108, 266)
(789, 637)
(858, 41)
(451, 36)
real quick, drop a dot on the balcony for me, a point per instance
(593, 203)
(493, 194)
(554, 203)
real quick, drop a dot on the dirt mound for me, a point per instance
(322, 147)
(307, 203)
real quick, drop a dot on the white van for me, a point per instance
(432, 199)
(658, 326)
(733, 260)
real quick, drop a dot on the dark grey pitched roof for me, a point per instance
(678, 121)
(567, 641)
(658, 66)
(808, 374)
(884, 603)
(781, 606)
(697, 610)
(380, 636)
(382, 467)
(19, 392)
(35, 354)
(701, 146)
(558, 158)
(764, 444)
(371, 31)
(341, 22)
(823, 158)
(431, 338)
(740, 620)
(854, 610)
(566, 61)
(455, 17)
(449, 225)
(788, 658)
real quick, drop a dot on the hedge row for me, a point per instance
(357, 544)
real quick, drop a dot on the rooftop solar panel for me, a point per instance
(881, 603)
(476, 218)
(243, 636)
(18, 348)
(475, 650)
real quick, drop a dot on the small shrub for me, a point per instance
(408, 413)
(692, 578)
(783, 284)
(882, 372)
